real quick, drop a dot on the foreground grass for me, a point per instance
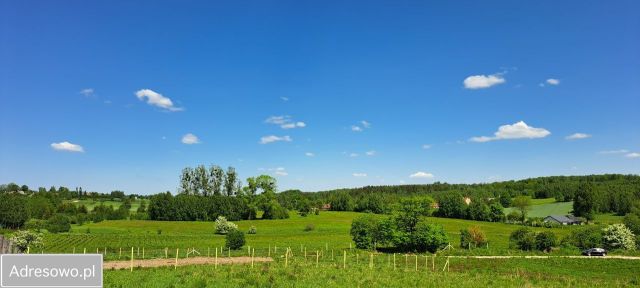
(331, 232)
(558, 272)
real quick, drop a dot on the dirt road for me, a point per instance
(183, 262)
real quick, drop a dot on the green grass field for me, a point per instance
(545, 207)
(331, 230)
(358, 272)
(92, 203)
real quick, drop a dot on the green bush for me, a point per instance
(252, 230)
(429, 237)
(365, 231)
(523, 239)
(309, 227)
(35, 224)
(235, 239)
(632, 221)
(273, 210)
(58, 223)
(545, 241)
(584, 237)
(14, 211)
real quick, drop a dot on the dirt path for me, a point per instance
(545, 257)
(182, 262)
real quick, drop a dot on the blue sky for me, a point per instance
(442, 89)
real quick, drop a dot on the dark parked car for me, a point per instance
(594, 252)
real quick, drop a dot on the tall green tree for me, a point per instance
(216, 179)
(230, 181)
(583, 201)
(522, 203)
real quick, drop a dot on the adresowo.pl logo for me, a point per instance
(50, 270)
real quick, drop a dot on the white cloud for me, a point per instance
(633, 155)
(285, 122)
(365, 124)
(280, 171)
(353, 155)
(273, 138)
(519, 130)
(577, 136)
(87, 92)
(66, 146)
(421, 174)
(483, 81)
(190, 139)
(285, 99)
(309, 154)
(552, 81)
(356, 128)
(621, 151)
(426, 146)
(359, 174)
(156, 99)
(370, 153)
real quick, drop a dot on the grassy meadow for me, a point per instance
(545, 207)
(462, 272)
(330, 230)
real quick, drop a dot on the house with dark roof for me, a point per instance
(563, 219)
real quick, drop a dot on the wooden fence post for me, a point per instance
(344, 259)
(131, 259)
(394, 261)
(176, 265)
(216, 265)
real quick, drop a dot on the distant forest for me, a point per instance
(614, 193)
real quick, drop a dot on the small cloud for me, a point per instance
(370, 153)
(285, 99)
(88, 92)
(309, 154)
(280, 171)
(577, 136)
(273, 138)
(426, 146)
(519, 130)
(156, 99)
(356, 128)
(361, 126)
(352, 155)
(66, 146)
(293, 125)
(365, 124)
(633, 155)
(421, 174)
(190, 139)
(621, 151)
(554, 82)
(359, 174)
(483, 81)
(285, 122)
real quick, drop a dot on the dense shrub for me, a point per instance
(223, 226)
(35, 224)
(252, 230)
(632, 221)
(618, 236)
(58, 223)
(584, 237)
(523, 239)
(235, 239)
(309, 227)
(342, 201)
(428, 237)
(13, 210)
(472, 237)
(273, 210)
(366, 231)
(27, 239)
(545, 241)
